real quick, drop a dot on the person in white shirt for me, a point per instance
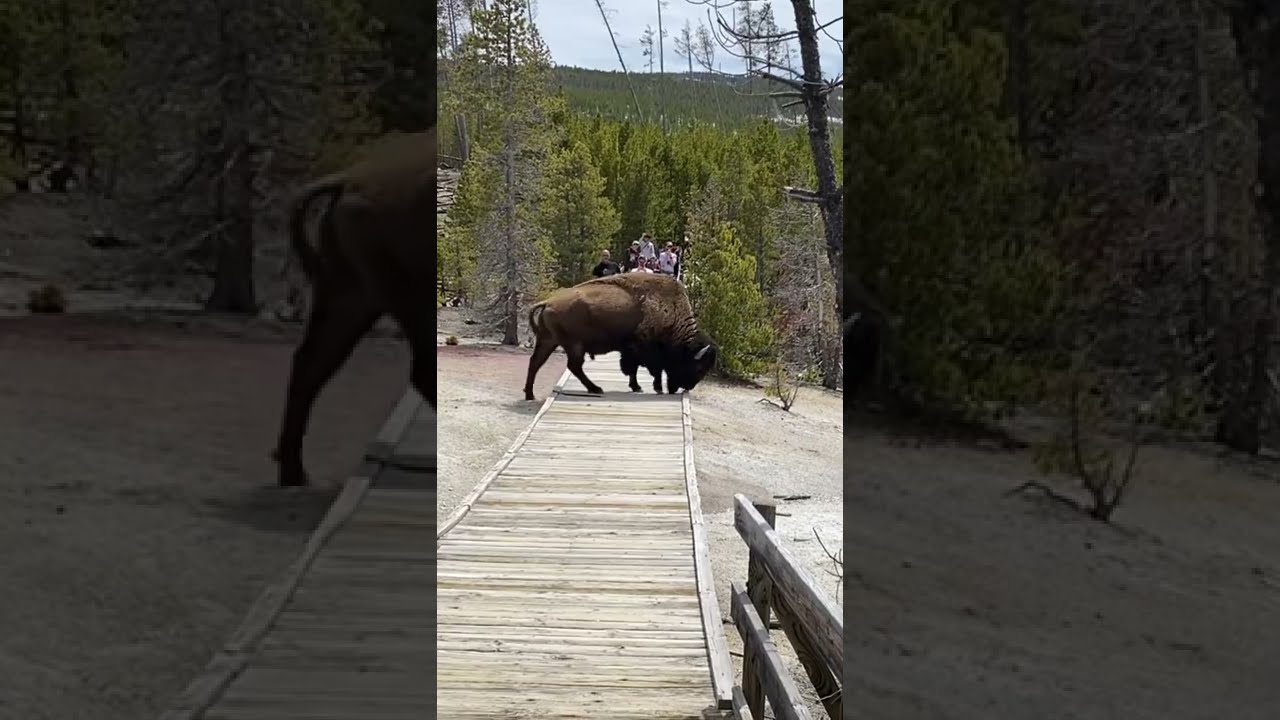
(647, 251)
(667, 261)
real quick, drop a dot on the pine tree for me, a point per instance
(941, 189)
(575, 217)
(721, 280)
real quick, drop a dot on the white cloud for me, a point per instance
(576, 35)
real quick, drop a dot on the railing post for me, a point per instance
(758, 591)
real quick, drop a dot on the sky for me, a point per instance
(575, 33)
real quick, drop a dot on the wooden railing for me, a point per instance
(811, 621)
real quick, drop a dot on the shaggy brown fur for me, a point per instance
(376, 255)
(639, 314)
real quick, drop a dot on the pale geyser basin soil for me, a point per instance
(741, 445)
(966, 605)
(138, 514)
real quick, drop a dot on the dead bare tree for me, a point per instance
(808, 323)
(1154, 145)
(207, 166)
(604, 15)
(810, 89)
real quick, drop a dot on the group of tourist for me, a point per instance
(643, 256)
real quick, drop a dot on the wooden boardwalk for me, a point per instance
(574, 582)
(348, 632)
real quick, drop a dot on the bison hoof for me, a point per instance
(595, 390)
(635, 388)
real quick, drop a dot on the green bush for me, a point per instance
(727, 301)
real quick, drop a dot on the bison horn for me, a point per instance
(700, 353)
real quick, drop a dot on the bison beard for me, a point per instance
(647, 318)
(373, 258)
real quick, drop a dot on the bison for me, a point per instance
(374, 256)
(646, 317)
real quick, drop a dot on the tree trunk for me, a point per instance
(511, 310)
(233, 287)
(661, 55)
(70, 90)
(1209, 314)
(815, 103)
(1018, 86)
(1255, 27)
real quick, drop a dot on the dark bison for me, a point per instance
(646, 317)
(375, 255)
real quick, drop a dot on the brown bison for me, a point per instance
(645, 317)
(375, 255)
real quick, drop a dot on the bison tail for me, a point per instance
(535, 318)
(308, 256)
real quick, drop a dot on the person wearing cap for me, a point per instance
(647, 250)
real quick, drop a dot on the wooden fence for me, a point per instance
(812, 623)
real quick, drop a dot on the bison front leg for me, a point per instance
(657, 380)
(335, 327)
(629, 367)
(576, 356)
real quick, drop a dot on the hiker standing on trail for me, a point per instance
(667, 261)
(606, 266)
(633, 257)
(647, 251)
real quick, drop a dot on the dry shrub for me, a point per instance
(48, 298)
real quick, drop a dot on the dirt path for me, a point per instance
(138, 517)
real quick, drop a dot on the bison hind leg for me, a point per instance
(542, 350)
(339, 318)
(576, 354)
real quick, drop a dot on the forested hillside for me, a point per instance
(681, 98)
(674, 99)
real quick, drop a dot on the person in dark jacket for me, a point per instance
(605, 267)
(633, 257)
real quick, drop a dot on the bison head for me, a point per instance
(698, 360)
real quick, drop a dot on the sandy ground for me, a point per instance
(741, 445)
(138, 514)
(964, 604)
